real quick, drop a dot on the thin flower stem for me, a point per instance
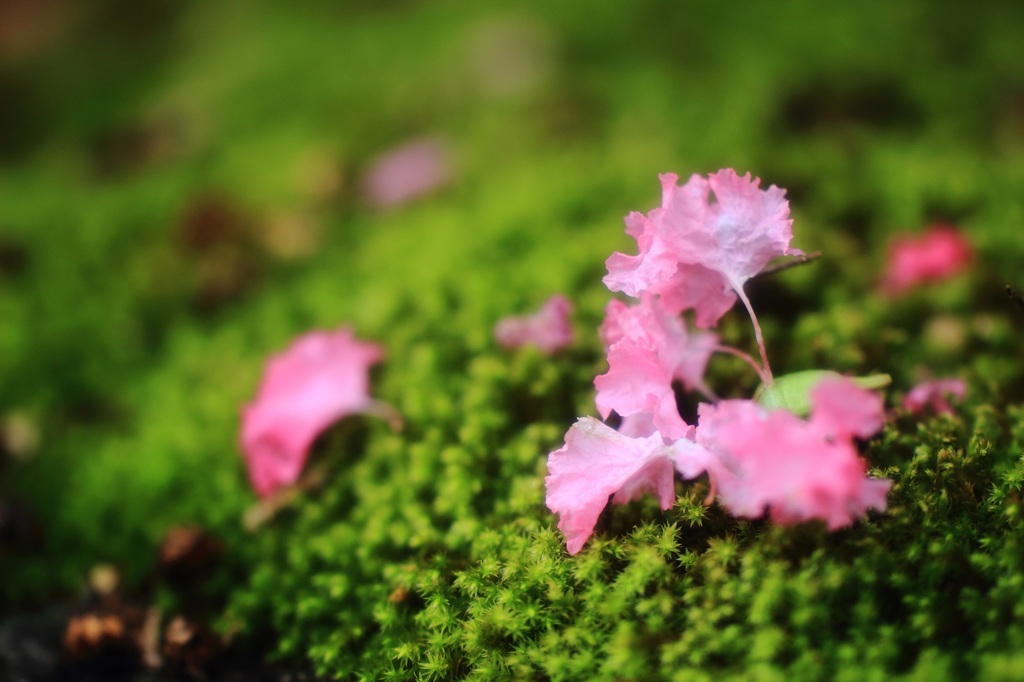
(710, 395)
(786, 265)
(384, 411)
(745, 357)
(757, 333)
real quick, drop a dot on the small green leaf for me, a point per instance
(792, 392)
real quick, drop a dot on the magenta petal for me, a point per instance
(320, 378)
(596, 462)
(936, 255)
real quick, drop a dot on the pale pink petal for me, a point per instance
(407, 172)
(685, 353)
(692, 459)
(776, 462)
(933, 394)
(597, 462)
(549, 329)
(709, 236)
(654, 264)
(638, 425)
(636, 382)
(620, 321)
(656, 477)
(320, 378)
(844, 409)
(874, 493)
(938, 254)
(751, 226)
(647, 351)
(694, 287)
(647, 326)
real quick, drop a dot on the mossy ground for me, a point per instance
(131, 343)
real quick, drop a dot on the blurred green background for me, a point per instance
(182, 193)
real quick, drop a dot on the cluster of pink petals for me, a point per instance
(549, 329)
(937, 255)
(407, 173)
(758, 461)
(320, 378)
(934, 394)
(647, 350)
(708, 237)
(696, 252)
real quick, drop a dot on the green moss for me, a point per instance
(654, 594)
(429, 554)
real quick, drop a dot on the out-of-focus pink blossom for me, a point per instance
(320, 378)
(597, 461)
(408, 172)
(647, 350)
(707, 239)
(843, 409)
(936, 255)
(549, 329)
(934, 394)
(796, 470)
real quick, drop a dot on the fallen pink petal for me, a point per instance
(844, 409)
(408, 172)
(597, 462)
(934, 395)
(319, 379)
(708, 237)
(549, 329)
(937, 255)
(796, 470)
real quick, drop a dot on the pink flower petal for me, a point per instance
(933, 394)
(692, 459)
(753, 225)
(638, 425)
(320, 378)
(647, 350)
(596, 462)
(844, 409)
(654, 265)
(695, 287)
(549, 329)
(938, 254)
(795, 470)
(718, 233)
(407, 173)
(657, 477)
